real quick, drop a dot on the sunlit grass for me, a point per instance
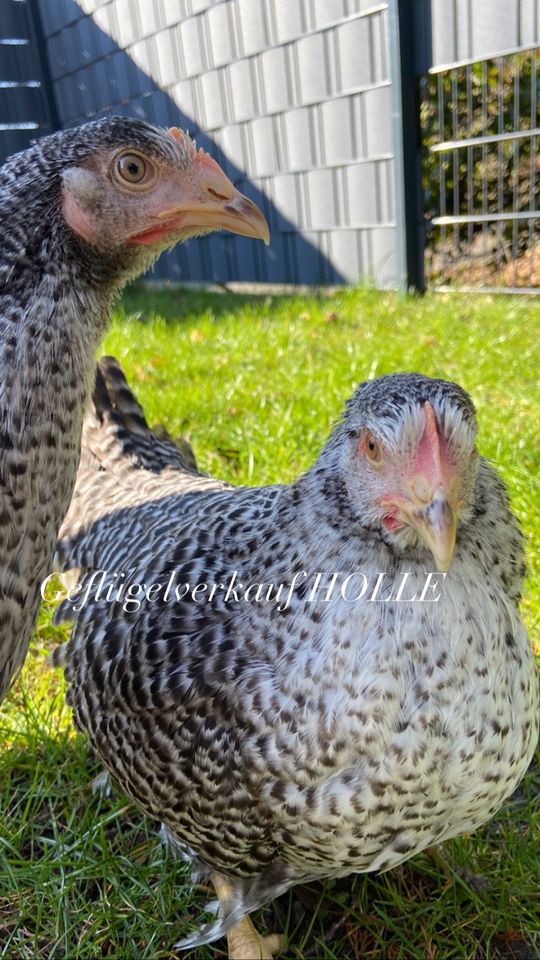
(255, 383)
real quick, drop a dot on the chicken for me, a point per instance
(371, 708)
(82, 212)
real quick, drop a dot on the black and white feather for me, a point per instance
(73, 233)
(325, 738)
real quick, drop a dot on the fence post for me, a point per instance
(410, 53)
(40, 45)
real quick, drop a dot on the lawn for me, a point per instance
(255, 384)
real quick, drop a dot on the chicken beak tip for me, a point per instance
(436, 526)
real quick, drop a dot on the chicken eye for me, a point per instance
(373, 449)
(132, 168)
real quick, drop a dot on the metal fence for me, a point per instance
(482, 173)
(479, 107)
(27, 105)
(379, 138)
(292, 98)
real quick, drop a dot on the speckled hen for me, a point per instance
(281, 742)
(82, 212)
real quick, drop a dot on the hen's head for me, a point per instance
(406, 450)
(125, 191)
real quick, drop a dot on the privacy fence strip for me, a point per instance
(393, 143)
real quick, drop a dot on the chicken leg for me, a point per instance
(243, 941)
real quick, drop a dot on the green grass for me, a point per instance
(255, 383)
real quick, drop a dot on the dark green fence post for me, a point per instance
(410, 50)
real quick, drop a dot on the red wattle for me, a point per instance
(152, 235)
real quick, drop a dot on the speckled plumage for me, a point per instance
(326, 738)
(56, 288)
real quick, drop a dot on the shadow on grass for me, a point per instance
(175, 304)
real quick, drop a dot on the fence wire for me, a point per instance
(481, 173)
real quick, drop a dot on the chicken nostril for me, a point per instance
(216, 195)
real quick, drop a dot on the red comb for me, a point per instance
(177, 134)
